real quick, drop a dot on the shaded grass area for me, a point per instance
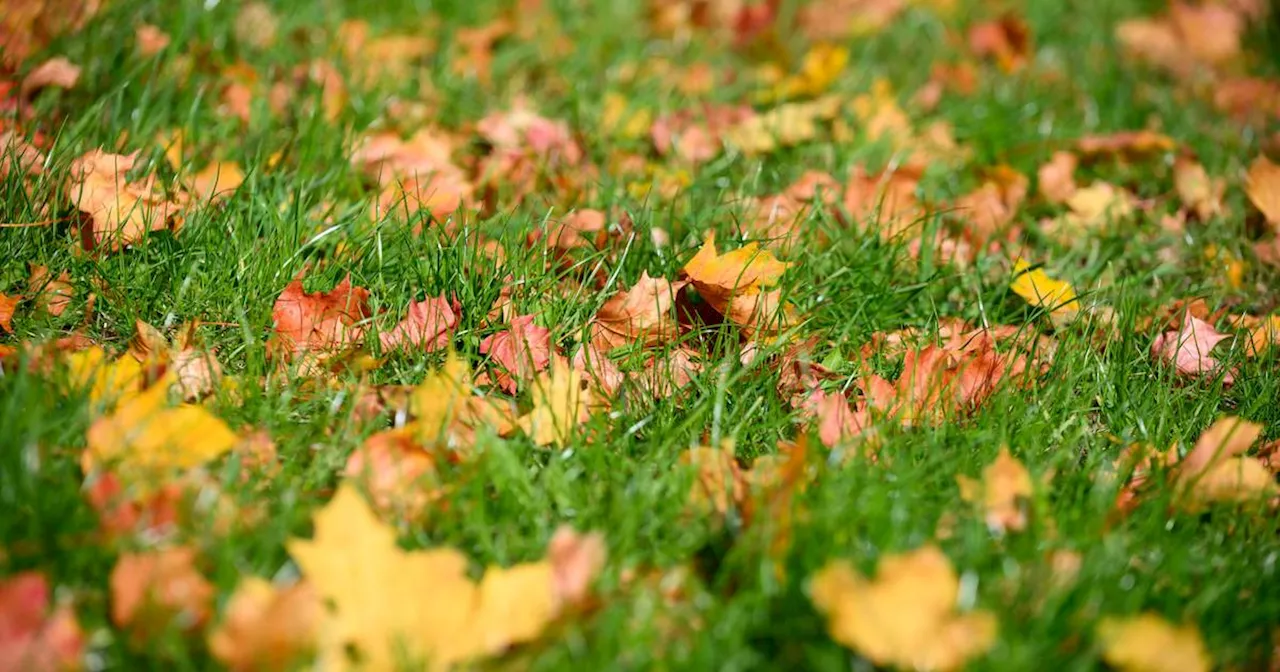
(745, 609)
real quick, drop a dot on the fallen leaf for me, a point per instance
(1125, 144)
(1210, 32)
(320, 323)
(580, 229)
(837, 420)
(733, 283)
(718, 484)
(255, 25)
(8, 304)
(576, 560)
(429, 326)
(1155, 41)
(520, 352)
(52, 296)
(57, 71)
(150, 39)
(358, 570)
(1006, 40)
(1262, 184)
(265, 627)
(905, 617)
(397, 472)
(1188, 349)
(643, 315)
(1202, 194)
(152, 590)
(218, 180)
(144, 437)
(560, 404)
(1056, 178)
(1042, 291)
(1002, 494)
(1264, 335)
(120, 212)
(1147, 642)
(1216, 469)
(33, 636)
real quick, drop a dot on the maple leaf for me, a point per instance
(837, 420)
(1056, 177)
(580, 229)
(642, 315)
(120, 212)
(1188, 348)
(397, 472)
(1042, 291)
(1262, 184)
(320, 323)
(447, 411)
(1211, 33)
(905, 617)
(886, 200)
(1264, 335)
(1197, 190)
(669, 372)
(521, 351)
(197, 372)
(266, 627)
(1148, 642)
(1006, 40)
(216, 181)
(1125, 144)
(733, 283)
(602, 376)
(718, 483)
(154, 589)
(33, 637)
(150, 39)
(1002, 494)
(429, 326)
(8, 304)
(51, 295)
(576, 560)
(108, 383)
(560, 404)
(1216, 470)
(144, 437)
(386, 158)
(356, 567)
(57, 71)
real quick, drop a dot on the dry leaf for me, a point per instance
(120, 212)
(1125, 144)
(33, 636)
(520, 352)
(733, 283)
(429, 326)
(560, 404)
(319, 323)
(355, 566)
(397, 473)
(1147, 642)
(1262, 184)
(152, 590)
(51, 296)
(150, 39)
(1188, 349)
(1216, 469)
(905, 617)
(1007, 41)
(643, 315)
(266, 628)
(1202, 194)
(1042, 291)
(218, 180)
(8, 304)
(1002, 494)
(56, 71)
(1056, 178)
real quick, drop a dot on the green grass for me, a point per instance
(618, 475)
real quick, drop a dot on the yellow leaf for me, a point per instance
(419, 607)
(146, 436)
(559, 404)
(906, 617)
(1042, 291)
(1002, 493)
(1263, 186)
(107, 382)
(1148, 643)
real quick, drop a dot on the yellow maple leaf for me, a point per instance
(1147, 642)
(108, 383)
(905, 617)
(395, 607)
(1042, 291)
(559, 404)
(145, 436)
(447, 410)
(1002, 493)
(1217, 470)
(1263, 186)
(722, 278)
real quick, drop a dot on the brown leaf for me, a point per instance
(521, 351)
(1125, 144)
(7, 305)
(56, 71)
(1006, 40)
(120, 213)
(1197, 190)
(51, 296)
(321, 322)
(643, 315)
(154, 589)
(429, 326)
(36, 637)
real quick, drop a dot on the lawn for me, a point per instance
(844, 334)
